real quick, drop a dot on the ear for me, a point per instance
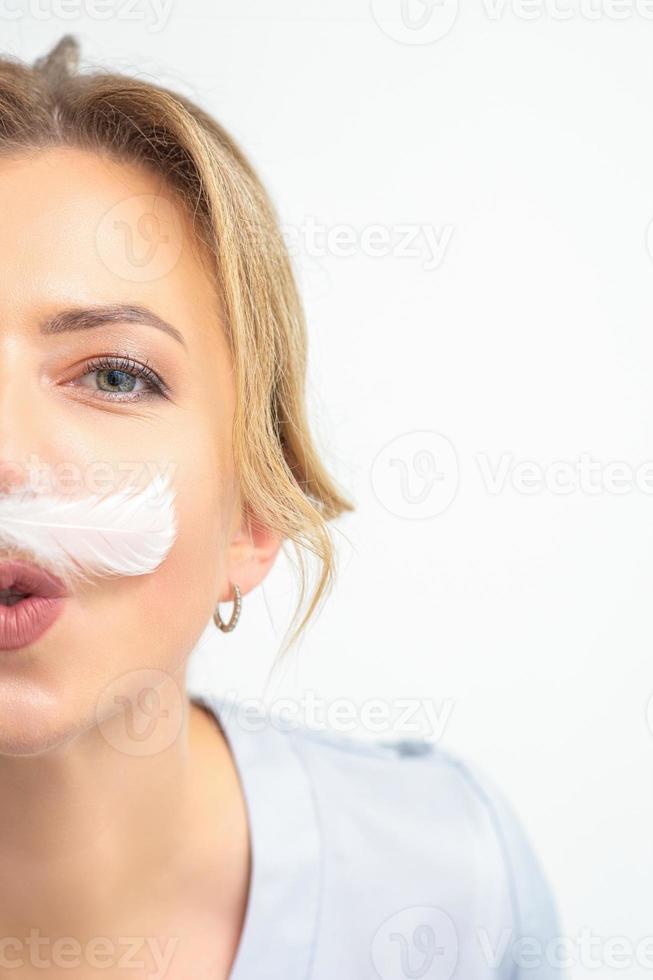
(251, 553)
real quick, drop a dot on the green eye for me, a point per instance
(119, 376)
(116, 380)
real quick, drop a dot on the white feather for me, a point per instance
(129, 532)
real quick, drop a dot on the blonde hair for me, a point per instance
(283, 483)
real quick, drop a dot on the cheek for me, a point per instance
(158, 618)
(163, 614)
(119, 627)
(181, 594)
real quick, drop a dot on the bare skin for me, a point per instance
(177, 910)
(102, 835)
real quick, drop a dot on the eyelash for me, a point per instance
(156, 384)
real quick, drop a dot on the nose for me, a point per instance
(25, 434)
(13, 476)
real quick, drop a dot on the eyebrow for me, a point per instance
(98, 316)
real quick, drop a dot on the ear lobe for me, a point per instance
(251, 553)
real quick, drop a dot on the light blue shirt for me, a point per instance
(379, 859)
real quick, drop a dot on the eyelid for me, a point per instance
(128, 364)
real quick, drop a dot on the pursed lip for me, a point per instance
(31, 579)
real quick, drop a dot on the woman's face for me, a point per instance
(80, 231)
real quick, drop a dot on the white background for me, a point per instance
(522, 138)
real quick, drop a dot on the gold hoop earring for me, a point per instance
(235, 613)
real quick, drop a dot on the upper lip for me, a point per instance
(30, 579)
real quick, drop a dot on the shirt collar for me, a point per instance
(278, 936)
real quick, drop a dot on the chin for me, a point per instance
(32, 721)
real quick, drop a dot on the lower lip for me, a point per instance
(27, 620)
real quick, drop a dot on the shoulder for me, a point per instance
(416, 844)
(435, 812)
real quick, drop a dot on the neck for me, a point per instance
(102, 824)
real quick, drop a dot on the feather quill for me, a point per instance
(129, 532)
